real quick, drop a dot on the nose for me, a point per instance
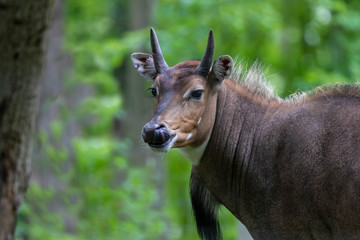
(155, 134)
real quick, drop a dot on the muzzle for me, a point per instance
(155, 135)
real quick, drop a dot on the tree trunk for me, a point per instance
(22, 28)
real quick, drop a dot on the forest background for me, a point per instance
(92, 177)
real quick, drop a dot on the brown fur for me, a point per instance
(181, 115)
(287, 169)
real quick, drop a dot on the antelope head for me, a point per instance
(184, 96)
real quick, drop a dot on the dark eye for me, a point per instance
(153, 91)
(197, 94)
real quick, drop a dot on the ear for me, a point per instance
(221, 69)
(144, 64)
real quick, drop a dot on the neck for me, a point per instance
(194, 154)
(225, 165)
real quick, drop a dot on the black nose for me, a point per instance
(155, 134)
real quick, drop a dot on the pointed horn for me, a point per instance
(205, 64)
(159, 61)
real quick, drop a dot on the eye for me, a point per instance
(197, 94)
(153, 91)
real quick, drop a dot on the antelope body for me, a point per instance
(286, 168)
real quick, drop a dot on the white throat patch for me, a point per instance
(194, 154)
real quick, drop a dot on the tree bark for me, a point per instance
(22, 28)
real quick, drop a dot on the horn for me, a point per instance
(205, 64)
(159, 61)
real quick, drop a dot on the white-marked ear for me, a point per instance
(221, 69)
(144, 64)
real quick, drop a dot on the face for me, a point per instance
(184, 108)
(184, 96)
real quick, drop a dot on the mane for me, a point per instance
(254, 80)
(327, 90)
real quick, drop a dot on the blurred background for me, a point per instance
(93, 178)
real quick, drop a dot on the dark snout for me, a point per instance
(155, 134)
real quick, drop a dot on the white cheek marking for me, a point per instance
(188, 137)
(199, 121)
(187, 93)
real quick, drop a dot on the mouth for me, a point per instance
(164, 147)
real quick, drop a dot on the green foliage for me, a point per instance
(95, 194)
(302, 43)
(296, 37)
